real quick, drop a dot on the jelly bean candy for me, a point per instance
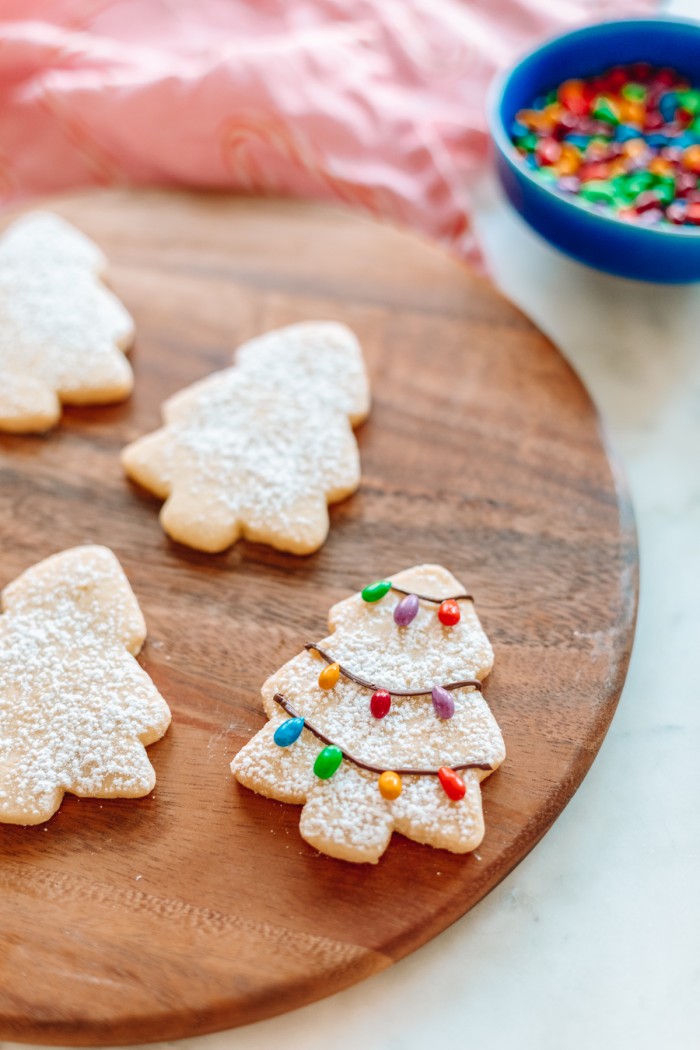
(448, 613)
(406, 610)
(452, 784)
(329, 676)
(380, 703)
(288, 732)
(375, 591)
(390, 785)
(443, 702)
(327, 762)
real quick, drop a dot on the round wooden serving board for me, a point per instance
(200, 907)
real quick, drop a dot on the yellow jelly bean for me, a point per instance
(618, 167)
(329, 676)
(390, 785)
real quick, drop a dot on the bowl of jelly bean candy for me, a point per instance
(597, 136)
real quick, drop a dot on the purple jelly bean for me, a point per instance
(569, 184)
(442, 702)
(406, 611)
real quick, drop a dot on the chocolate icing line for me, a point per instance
(279, 699)
(436, 601)
(474, 682)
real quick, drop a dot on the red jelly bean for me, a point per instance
(615, 79)
(380, 703)
(597, 170)
(666, 76)
(685, 183)
(449, 613)
(548, 151)
(693, 215)
(653, 120)
(452, 783)
(645, 202)
(640, 71)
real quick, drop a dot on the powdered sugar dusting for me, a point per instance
(261, 448)
(76, 710)
(346, 816)
(62, 332)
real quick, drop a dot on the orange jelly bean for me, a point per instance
(660, 166)
(329, 676)
(570, 160)
(390, 785)
(691, 159)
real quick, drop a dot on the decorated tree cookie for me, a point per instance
(260, 449)
(382, 726)
(62, 332)
(76, 710)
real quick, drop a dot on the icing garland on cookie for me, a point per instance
(406, 610)
(380, 702)
(329, 759)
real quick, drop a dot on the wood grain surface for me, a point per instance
(200, 907)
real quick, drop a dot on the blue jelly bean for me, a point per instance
(540, 102)
(518, 130)
(667, 105)
(626, 132)
(531, 161)
(656, 140)
(685, 139)
(288, 732)
(579, 141)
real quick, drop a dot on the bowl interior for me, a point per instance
(585, 52)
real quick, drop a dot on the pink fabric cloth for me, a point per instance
(376, 103)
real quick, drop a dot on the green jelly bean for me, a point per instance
(624, 190)
(375, 591)
(665, 192)
(597, 191)
(690, 101)
(604, 110)
(551, 97)
(527, 142)
(327, 762)
(547, 175)
(634, 92)
(639, 182)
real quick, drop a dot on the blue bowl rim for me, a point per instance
(510, 154)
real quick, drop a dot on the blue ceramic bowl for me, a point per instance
(669, 254)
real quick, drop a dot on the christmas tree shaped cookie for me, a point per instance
(76, 710)
(260, 449)
(62, 332)
(381, 726)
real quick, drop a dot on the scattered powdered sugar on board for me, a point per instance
(62, 332)
(76, 709)
(346, 815)
(261, 448)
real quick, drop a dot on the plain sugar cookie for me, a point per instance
(260, 449)
(381, 726)
(63, 334)
(76, 710)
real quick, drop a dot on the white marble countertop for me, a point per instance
(593, 940)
